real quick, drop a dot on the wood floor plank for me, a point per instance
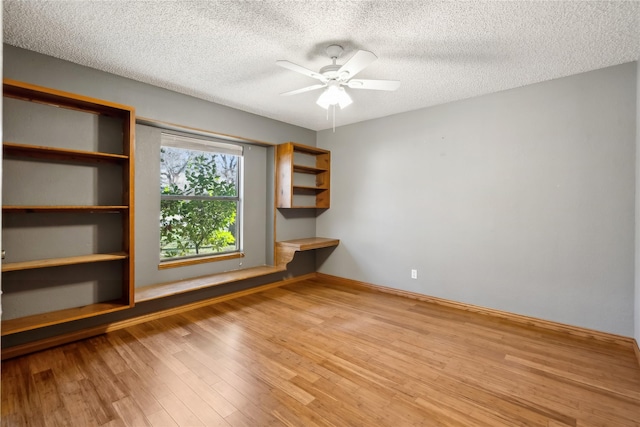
(101, 410)
(161, 419)
(130, 412)
(22, 394)
(125, 345)
(325, 354)
(138, 390)
(55, 413)
(247, 403)
(179, 412)
(73, 399)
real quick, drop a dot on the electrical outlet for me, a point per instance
(414, 274)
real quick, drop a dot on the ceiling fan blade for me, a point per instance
(304, 89)
(357, 63)
(373, 84)
(299, 69)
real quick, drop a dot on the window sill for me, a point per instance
(193, 261)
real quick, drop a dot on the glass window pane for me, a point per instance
(197, 227)
(198, 173)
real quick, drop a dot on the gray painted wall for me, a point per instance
(521, 201)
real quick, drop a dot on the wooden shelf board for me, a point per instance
(300, 148)
(27, 323)
(147, 293)
(29, 92)
(63, 208)
(303, 207)
(308, 169)
(305, 189)
(56, 262)
(12, 148)
(309, 243)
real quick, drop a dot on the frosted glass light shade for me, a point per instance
(334, 95)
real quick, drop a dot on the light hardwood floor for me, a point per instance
(313, 353)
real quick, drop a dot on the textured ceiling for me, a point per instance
(225, 51)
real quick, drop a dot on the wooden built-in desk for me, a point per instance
(285, 250)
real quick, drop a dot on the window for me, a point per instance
(200, 205)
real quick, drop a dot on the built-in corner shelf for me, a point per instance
(302, 176)
(285, 250)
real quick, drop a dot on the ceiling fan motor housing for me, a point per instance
(330, 71)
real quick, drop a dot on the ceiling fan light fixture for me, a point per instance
(334, 95)
(344, 100)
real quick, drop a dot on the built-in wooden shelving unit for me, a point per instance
(43, 153)
(302, 171)
(303, 181)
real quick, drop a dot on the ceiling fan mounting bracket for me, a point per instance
(334, 51)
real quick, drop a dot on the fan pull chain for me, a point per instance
(334, 118)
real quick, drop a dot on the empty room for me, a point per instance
(320, 213)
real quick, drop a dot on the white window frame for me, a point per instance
(212, 146)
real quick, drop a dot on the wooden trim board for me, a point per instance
(38, 345)
(636, 349)
(200, 260)
(202, 132)
(515, 318)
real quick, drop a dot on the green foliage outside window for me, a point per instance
(193, 218)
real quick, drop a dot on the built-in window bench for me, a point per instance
(285, 252)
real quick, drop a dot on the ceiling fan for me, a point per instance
(336, 77)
